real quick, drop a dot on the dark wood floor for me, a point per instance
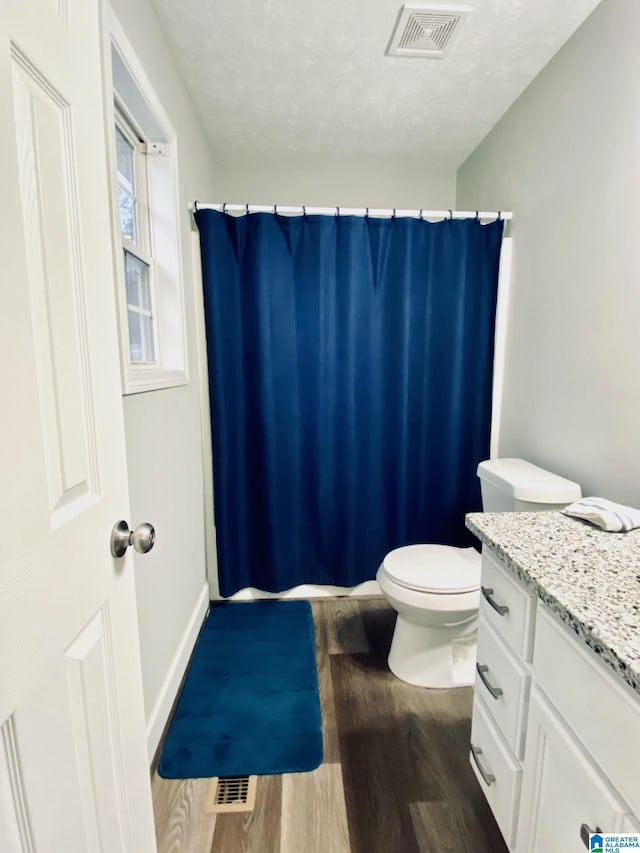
(395, 777)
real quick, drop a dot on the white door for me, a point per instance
(73, 764)
(563, 793)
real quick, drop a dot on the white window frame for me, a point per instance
(141, 249)
(132, 104)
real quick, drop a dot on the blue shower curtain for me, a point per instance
(350, 371)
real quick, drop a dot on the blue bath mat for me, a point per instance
(250, 703)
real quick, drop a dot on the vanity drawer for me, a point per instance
(504, 683)
(601, 710)
(498, 773)
(507, 605)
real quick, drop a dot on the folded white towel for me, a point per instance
(605, 514)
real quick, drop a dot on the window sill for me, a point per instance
(142, 379)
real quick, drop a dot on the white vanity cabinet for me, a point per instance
(555, 739)
(563, 793)
(501, 694)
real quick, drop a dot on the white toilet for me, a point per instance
(436, 588)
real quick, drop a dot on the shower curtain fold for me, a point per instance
(350, 370)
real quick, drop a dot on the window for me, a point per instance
(133, 207)
(147, 224)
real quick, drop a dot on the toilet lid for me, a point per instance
(434, 568)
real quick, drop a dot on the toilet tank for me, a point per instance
(513, 485)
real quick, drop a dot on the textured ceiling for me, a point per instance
(276, 79)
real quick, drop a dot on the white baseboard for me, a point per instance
(162, 707)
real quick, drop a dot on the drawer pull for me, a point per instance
(481, 669)
(585, 831)
(499, 608)
(476, 752)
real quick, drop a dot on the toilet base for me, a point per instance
(430, 656)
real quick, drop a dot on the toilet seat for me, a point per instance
(438, 569)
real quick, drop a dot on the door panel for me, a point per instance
(15, 830)
(73, 764)
(562, 789)
(92, 695)
(47, 169)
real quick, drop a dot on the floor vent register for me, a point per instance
(231, 794)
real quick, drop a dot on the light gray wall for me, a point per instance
(366, 183)
(566, 160)
(164, 450)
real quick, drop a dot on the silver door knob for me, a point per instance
(142, 538)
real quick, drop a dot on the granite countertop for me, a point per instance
(588, 577)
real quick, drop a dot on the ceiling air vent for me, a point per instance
(427, 30)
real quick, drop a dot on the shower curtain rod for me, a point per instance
(381, 212)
